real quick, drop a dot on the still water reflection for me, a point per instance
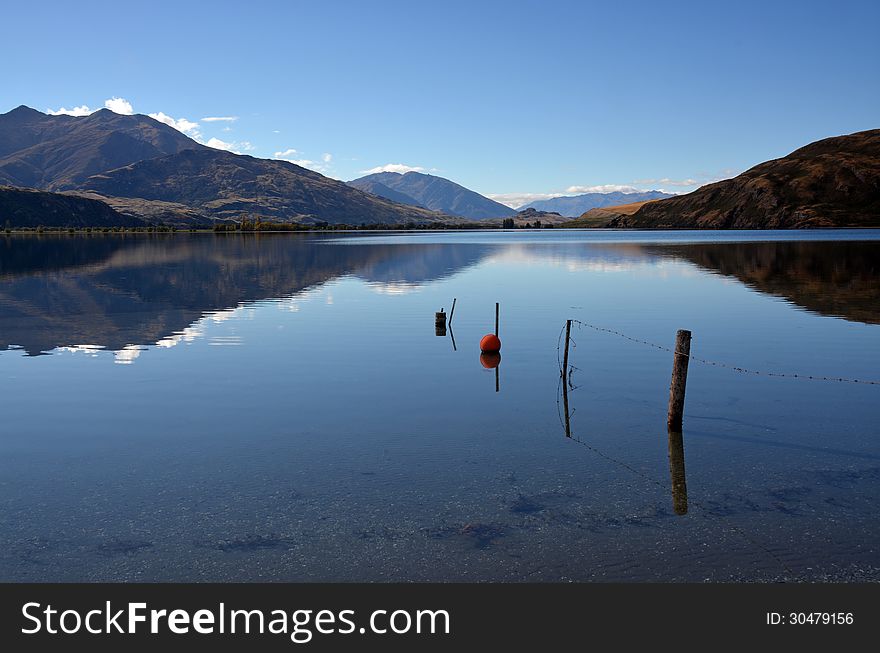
(280, 407)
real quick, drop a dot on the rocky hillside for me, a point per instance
(533, 216)
(602, 217)
(60, 152)
(25, 207)
(435, 193)
(225, 185)
(834, 182)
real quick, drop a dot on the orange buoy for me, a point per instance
(490, 360)
(490, 343)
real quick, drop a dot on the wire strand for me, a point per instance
(734, 368)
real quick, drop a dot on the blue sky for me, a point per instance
(512, 99)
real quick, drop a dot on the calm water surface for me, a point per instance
(279, 407)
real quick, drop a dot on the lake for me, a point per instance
(200, 407)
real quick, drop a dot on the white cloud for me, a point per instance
(180, 124)
(606, 188)
(289, 155)
(516, 200)
(115, 104)
(220, 119)
(317, 166)
(119, 105)
(666, 181)
(237, 147)
(75, 111)
(393, 167)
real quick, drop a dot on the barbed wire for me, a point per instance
(706, 510)
(734, 368)
(565, 377)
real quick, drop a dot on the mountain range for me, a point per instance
(572, 206)
(228, 186)
(431, 192)
(151, 172)
(111, 169)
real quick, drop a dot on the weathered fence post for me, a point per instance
(451, 312)
(496, 319)
(679, 379)
(564, 373)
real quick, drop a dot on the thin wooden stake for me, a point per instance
(496, 319)
(679, 380)
(564, 373)
(452, 311)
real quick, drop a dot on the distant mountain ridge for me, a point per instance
(834, 182)
(226, 185)
(380, 189)
(535, 217)
(575, 205)
(432, 192)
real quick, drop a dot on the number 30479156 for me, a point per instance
(810, 618)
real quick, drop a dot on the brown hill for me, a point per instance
(226, 185)
(25, 207)
(834, 182)
(601, 216)
(533, 216)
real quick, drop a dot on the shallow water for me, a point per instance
(278, 407)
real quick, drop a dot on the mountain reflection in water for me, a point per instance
(118, 292)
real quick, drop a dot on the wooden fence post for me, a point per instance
(679, 380)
